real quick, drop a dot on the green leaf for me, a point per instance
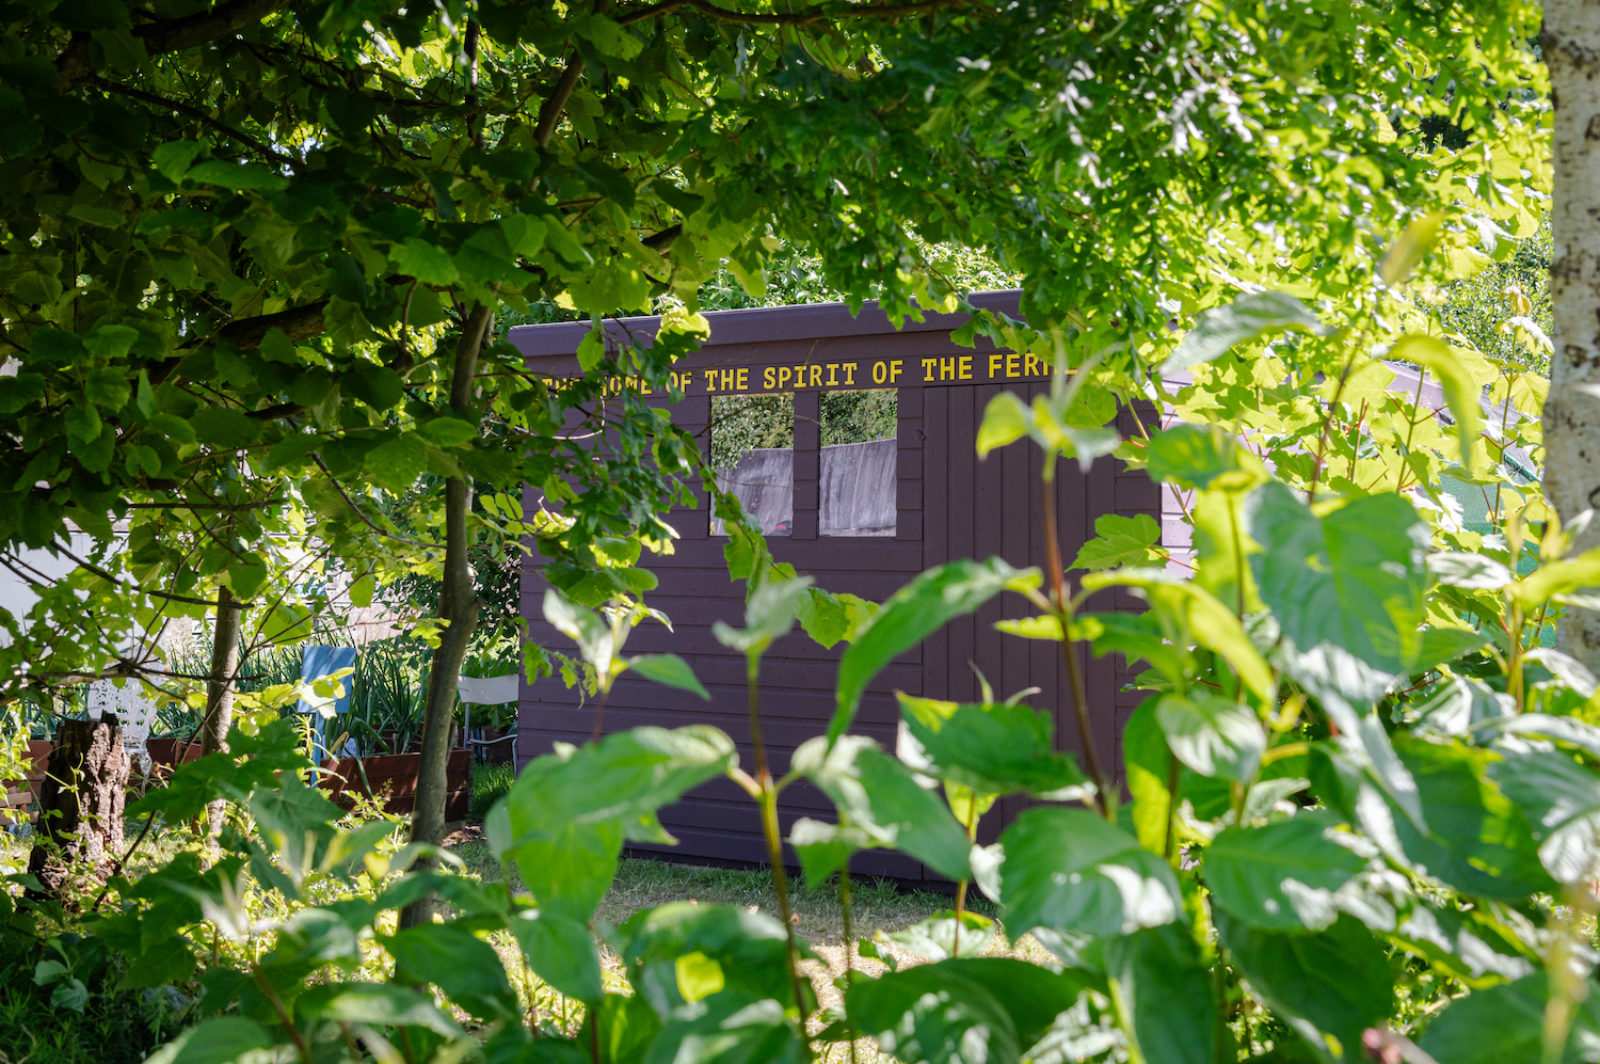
(1281, 876)
(1471, 572)
(378, 386)
(1005, 420)
(1214, 736)
(224, 427)
(669, 670)
(1191, 609)
(1193, 456)
(1506, 1023)
(877, 794)
(1163, 995)
(173, 428)
(426, 262)
(993, 749)
(448, 431)
(397, 463)
(1147, 767)
(912, 614)
(828, 618)
(769, 615)
(1247, 317)
(610, 37)
(1346, 585)
(172, 160)
(567, 868)
(627, 1026)
(562, 953)
(1329, 986)
(825, 848)
(729, 1030)
(936, 937)
(1561, 798)
(1120, 540)
(749, 947)
(1557, 578)
(584, 627)
(524, 233)
(1411, 247)
(456, 961)
(379, 1005)
(1463, 390)
(221, 1040)
(236, 176)
(591, 349)
(964, 1011)
(108, 386)
(1477, 840)
(1068, 870)
(566, 817)
(105, 217)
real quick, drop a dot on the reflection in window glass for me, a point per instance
(752, 450)
(859, 445)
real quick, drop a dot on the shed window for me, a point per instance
(752, 450)
(860, 444)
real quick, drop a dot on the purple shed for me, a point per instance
(861, 517)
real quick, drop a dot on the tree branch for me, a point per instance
(345, 495)
(75, 67)
(663, 239)
(260, 504)
(88, 566)
(297, 323)
(200, 116)
(550, 110)
(795, 18)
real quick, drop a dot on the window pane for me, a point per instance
(752, 450)
(859, 450)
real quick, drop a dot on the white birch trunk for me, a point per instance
(1571, 41)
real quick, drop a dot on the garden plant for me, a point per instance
(252, 265)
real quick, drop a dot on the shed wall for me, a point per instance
(947, 505)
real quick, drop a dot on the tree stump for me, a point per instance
(81, 803)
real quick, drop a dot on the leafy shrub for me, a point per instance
(62, 1002)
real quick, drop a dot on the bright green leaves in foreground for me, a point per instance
(913, 613)
(990, 749)
(1284, 875)
(878, 795)
(1345, 585)
(978, 1011)
(565, 820)
(1329, 985)
(1162, 996)
(1067, 870)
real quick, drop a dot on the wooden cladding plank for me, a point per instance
(960, 520)
(807, 464)
(990, 521)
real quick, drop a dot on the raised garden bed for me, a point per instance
(394, 778)
(20, 794)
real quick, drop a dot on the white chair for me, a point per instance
(131, 708)
(486, 691)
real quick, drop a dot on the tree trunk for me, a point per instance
(459, 606)
(80, 804)
(219, 692)
(1571, 41)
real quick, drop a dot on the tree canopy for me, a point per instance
(253, 256)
